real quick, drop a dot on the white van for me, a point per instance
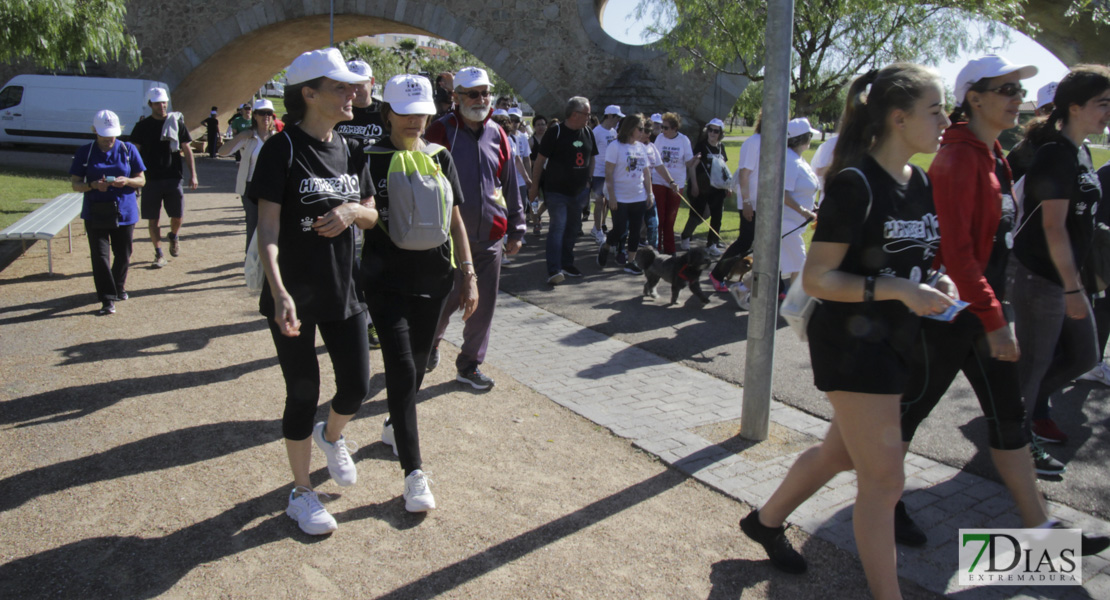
(58, 109)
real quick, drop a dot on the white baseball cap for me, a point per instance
(613, 109)
(717, 122)
(361, 67)
(516, 112)
(657, 118)
(986, 67)
(471, 77)
(157, 94)
(1047, 94)
(263, 104)
(409, 95)
(106, 124)
(799, 126)
(321, 63)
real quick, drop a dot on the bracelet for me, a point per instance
(1075, 291)
(869, 289)
(467, 262)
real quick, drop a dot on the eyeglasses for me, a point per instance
(1009, 89)
(474, 95)
(582, 112)
(263, 113)
(712, 130)
(667, 127)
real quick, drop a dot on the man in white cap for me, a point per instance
(656, 125)
(1021, 155)
(366, 127)
(162, 139)
(604, 134)
(492, 210)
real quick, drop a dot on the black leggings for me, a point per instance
(350, 359)
(628, 217)
(741, 247)
(407, 328)
(710, 203)
(944, 349)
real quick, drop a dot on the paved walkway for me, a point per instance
(667, 409)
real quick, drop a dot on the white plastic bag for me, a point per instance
(252, 267)
(797, 308)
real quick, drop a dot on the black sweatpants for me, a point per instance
(349, 351)
(406, 327)
(741, 247)
(110, 249)
(944, 349)
(710, 203)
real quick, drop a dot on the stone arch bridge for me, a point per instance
(218, 52)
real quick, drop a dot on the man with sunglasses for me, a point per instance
(491, 209)
(567, 152)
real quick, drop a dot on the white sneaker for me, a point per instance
(684, 244)
(598, 234)
(713, 250)
(418, 497)
(387, 436)
(310, 515)
(340, 464)
(1099, 374)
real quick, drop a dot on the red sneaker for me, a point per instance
(1046, 430)
(718, 285)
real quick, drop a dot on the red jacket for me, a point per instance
(968, 200)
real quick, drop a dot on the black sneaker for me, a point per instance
(603, 255)
(621, 258)
(773, 539)
(372, 337)
(555, 278)
(630, 267)
(572, 271)
(905, 530)
(1089, 544)
(122, 296)
(1043, 462)
(433, 360)
(475, 378)
(107, 309)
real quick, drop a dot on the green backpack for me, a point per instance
(420, 198)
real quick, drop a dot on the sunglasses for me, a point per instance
(1009, 89)
(473, 95)
(712, 130)
(263, 113)
(667, 127)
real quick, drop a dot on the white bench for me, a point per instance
(47, 221)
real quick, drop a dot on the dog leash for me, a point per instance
(695, 212)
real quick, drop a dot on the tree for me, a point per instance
(389, 62)
(833, 39)
(59, 34)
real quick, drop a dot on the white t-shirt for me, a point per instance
(822, 158)
(749, 159)
(629, 162)
(675, 154)
(602, 137)
(802, 183)
(522, 149)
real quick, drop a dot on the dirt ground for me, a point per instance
(141, 456)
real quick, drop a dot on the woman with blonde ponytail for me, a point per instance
(869, 263)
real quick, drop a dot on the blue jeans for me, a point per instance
(565, 213)
(651, 219)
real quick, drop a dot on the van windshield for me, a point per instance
(11, 96)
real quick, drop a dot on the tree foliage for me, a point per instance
(59, 34)
(833, 39)
(407, 57)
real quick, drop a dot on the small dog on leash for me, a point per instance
(680, 271)
(735, 267)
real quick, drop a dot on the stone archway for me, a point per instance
(218, 52)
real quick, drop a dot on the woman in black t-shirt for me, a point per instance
(311, 186)
(706, 200)
(1052, 314)
(406, 289)
(876, 239)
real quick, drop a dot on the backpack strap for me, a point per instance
(868, 186)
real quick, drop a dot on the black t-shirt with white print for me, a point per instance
(308, 178)
(568, 153)
(1059, 170)
(386, 267)
(367, 126)
(896, 236)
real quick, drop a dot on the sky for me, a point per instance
(619, 23)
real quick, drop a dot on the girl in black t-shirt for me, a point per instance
(1052, 313)
(311, 186)
(406, 289)
(875, 241)
(706, 200)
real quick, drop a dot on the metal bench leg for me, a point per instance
(69, 234)
(50, 256)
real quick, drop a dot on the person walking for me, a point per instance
(108, 172)
(406, 289)
(706, 201)
(604, 134)
(212, 133)
(250, 141)
(312, 185)
(1052, 313)
(801, 185)
(872, 280)
(163, 140)
(628, 189)
(679, 159)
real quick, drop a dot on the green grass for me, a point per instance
(20, 184)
